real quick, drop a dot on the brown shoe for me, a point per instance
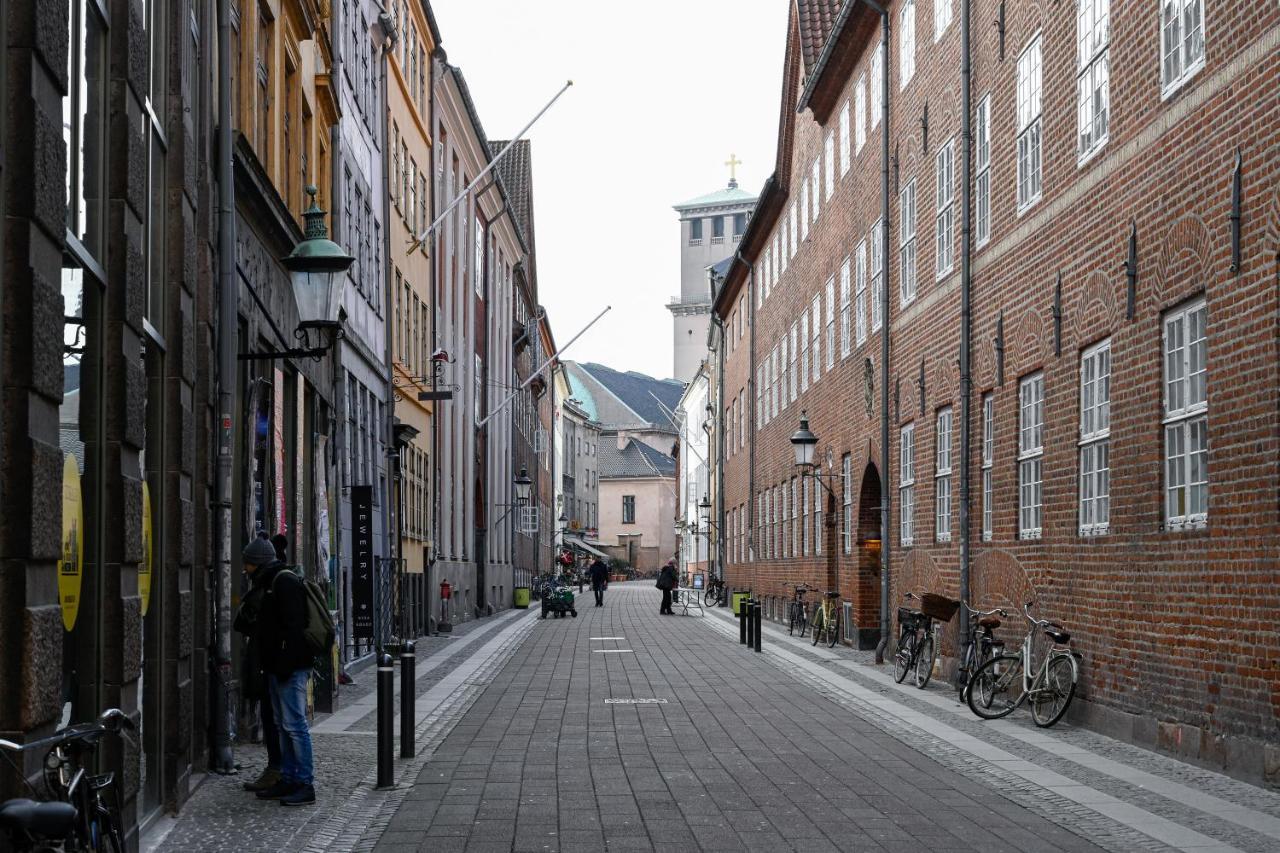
(269, 777)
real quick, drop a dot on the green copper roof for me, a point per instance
(729, 195)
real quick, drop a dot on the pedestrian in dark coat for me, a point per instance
(666, 583)
(599, 573)
(254, 682)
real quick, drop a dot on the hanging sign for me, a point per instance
(362, 562)
(144, 568)
(71, 566)
(277, 447)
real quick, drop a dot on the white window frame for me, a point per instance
(1095, 439)
(795, 517)
(846, 329)
(1031, 456)
(785, 549)
(982, 168)
(815, 345)
(846, 477)
(860, 113)
(804, 206)
(815, 191)
(907, 242)
(875, 97)
(1093, 87)
(877, 273)
(941, 18)
(1181, 52)
(942, 475)
(817, 519)
(860, 293)
(1030, 124)
(803, 362)
(907, 42)
(1185, 423)
(906, 485)
(829, 166)
(793, 371)
(806, 542)
(988, 459)
(844, 139)
(831, 322)
(792, 232)
(944, 173)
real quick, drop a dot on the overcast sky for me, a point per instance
(663, 92)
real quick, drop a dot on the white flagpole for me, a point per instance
(547, 364)
(422, 238)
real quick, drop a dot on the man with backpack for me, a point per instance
(286, 656)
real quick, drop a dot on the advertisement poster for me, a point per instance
(71, 566)
(251, 503)
(277, 449)
(148, 550)
(299, 479)
(322, 514)
(362, 562)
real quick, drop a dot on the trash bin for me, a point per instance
(739, 596)
(521, 597)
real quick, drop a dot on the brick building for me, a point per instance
(1121, 262)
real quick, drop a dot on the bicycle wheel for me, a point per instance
(964, 675)
(792, 621)
(819, 625)
(833, 629)
(984, 688)
(999, 683)
(924, 662)
(710, 598)
(905, 657)
(1052, 699)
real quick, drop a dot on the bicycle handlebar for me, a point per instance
(1026, 612)
(112, 720)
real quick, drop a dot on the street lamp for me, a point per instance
(318, 272)
(804, 443)
(523, 484)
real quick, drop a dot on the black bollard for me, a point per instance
(742, 621)
(408, 697)
(751, 623)
(757, 621)
(386, 711)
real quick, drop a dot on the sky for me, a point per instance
(663, 93)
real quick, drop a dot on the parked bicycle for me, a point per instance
(715, 593)
(80, 816)
(982, 645)
(826, 619)
(798, 611)
(917, 637)
(1010, 680)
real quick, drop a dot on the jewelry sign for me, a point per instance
(362, 562)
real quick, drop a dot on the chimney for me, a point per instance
(622, 440)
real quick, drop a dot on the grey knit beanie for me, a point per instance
(260, 552)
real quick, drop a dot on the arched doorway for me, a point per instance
(866, 585)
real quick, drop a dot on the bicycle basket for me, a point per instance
(938, 606)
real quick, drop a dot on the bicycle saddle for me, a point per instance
(991, 622)
(45, 820)
(1061, 637)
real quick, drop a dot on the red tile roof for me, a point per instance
(816, 18)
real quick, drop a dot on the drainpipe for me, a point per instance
(885, 492)
(221, 758)
(437, 61)
(721, 533)
(391, 533)
(966, 315)
(751, 402)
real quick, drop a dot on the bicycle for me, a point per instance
(917, 649)
(982, 646)
(79, 818)
(1010, 680)
(826, 619)
(714, 596)
(797, 611)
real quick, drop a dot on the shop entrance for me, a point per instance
(866, 595)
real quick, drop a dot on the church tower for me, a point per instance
(711, 226)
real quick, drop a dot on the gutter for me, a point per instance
(886, 493)
(966, 314)
(391, 536)
(829, 49)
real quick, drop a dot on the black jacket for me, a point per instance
(281, 619)
(667, 578)
(253, 682)
(599, 575)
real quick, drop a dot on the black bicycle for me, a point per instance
(714, 595)
(982, 646)
(79, 816)
(798, 611)
(917, 649)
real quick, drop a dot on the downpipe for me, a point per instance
(966, 317)
(886, 499)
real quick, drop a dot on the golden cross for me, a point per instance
(733, 163)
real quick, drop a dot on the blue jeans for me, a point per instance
(289, 704)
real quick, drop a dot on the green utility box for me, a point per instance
(522, 597)
(739, 596)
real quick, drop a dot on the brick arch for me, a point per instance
(1096, 306)
(1026, 22)
(999, 579)
(946, 123)
(867, 455)
(1273, 219)
(908, 405)
(909, 160)
(1025, 346)
(1184, 264)
(942, 385)
(985, 375)
(917, 572)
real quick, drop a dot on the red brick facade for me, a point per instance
(1175, 614)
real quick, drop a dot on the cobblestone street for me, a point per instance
(624, 730)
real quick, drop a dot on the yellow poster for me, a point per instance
(71, 566)
(144, 568)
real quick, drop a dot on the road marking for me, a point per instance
(609, 651)
(635, 701)
(608, 638)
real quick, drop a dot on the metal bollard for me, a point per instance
(408, 698)
(751, 623)
(757, 624)
(386, 710)
(742, 622)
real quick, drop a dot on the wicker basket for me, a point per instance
(938, 607)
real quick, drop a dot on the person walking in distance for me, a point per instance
(254, 681)
(599, 580)
(666, 583)
(286, 661)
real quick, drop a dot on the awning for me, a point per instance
(575, 542)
